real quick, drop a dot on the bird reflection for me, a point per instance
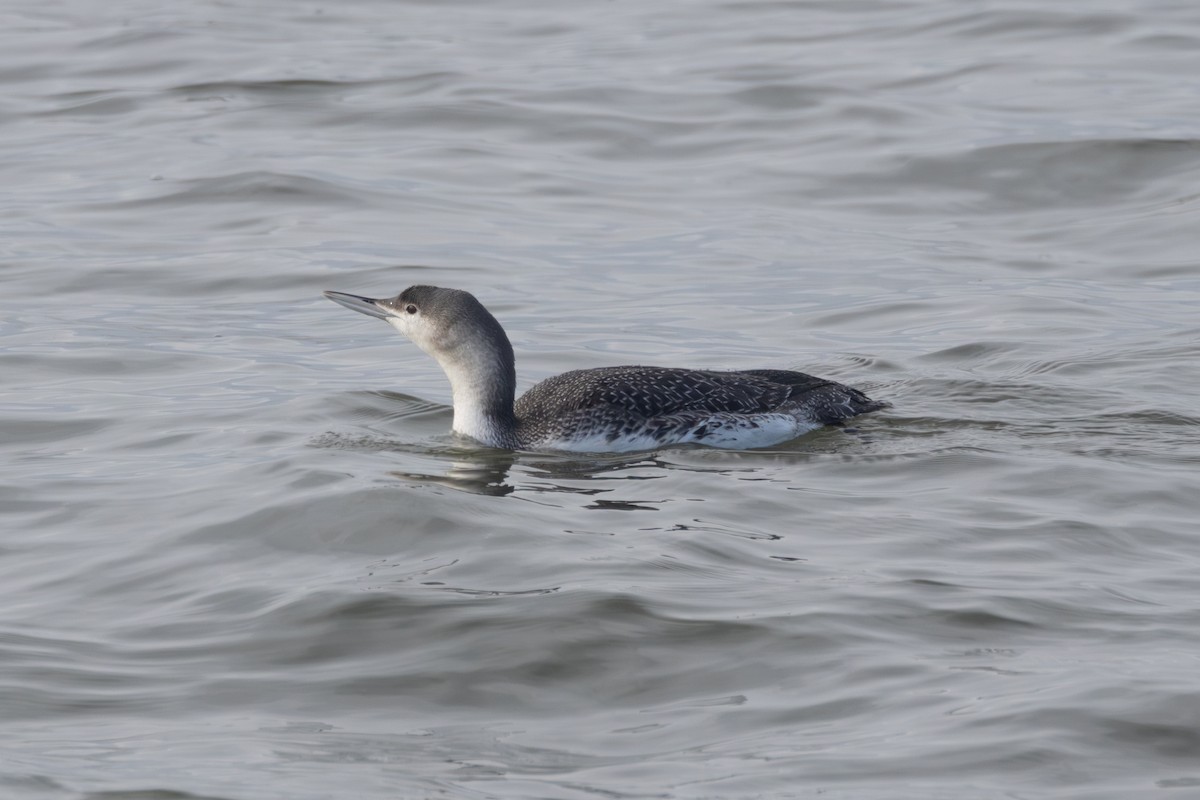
(487, 472)
(485, 475)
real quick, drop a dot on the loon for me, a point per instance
(609, 409)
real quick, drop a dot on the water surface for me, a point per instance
(243, 558)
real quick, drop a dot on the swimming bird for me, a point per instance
(609, 409)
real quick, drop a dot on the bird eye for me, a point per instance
(410, 308)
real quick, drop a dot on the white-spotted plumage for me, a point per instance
(610, 409)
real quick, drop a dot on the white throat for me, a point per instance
(471, 417)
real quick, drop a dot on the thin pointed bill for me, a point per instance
(363, 305)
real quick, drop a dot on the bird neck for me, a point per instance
(483, 383)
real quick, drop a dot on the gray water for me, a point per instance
(242, 557)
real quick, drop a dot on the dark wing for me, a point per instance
(655, 391)
(798, 381)
(828, 402)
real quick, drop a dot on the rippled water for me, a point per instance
(242, 558)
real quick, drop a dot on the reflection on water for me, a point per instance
(483, 476)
